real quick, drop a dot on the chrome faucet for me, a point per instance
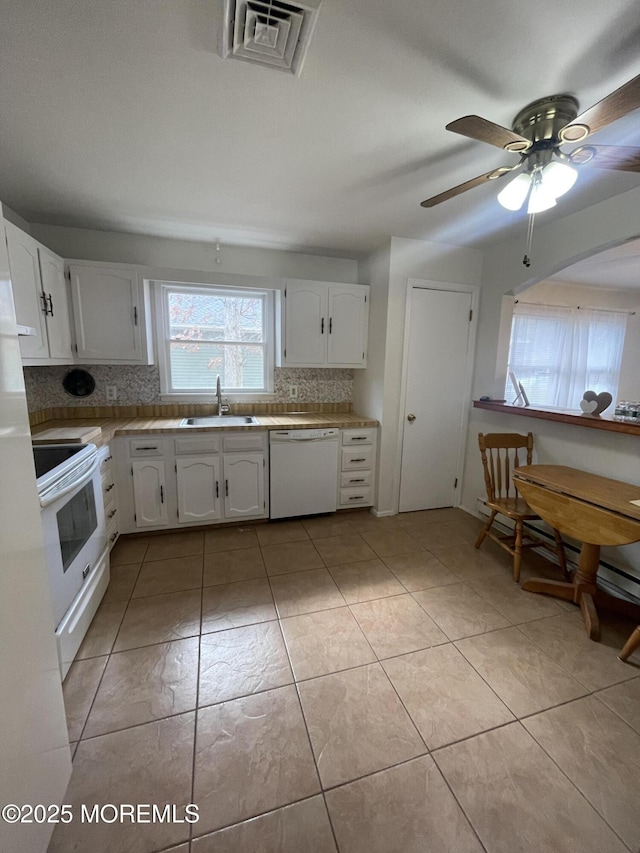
(223, 408)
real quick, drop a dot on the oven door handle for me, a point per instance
(74, 483)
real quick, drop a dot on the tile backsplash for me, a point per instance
(140, 385)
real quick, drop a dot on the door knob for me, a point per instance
(411, 417)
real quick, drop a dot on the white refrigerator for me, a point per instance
(35, 763)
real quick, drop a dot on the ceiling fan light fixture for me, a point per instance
(513, 195)
(574, 132)
(541, 198)
(558, 178)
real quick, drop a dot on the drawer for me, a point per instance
(355, 479)
(355, 458)
(353, 497)
(197, 444)
(244, 441)
(151, 446)
(358, 436)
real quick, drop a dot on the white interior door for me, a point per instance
(436, 378)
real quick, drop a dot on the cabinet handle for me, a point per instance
(358, 438)
(147, 447)
(357, 498)
(45, 309)
(112, 513)
(161, 494)
(135, 315)
(217, 490)
(107, 459)
(108, 488)
(360, 480)
(226, 488)
(50, 300)
(330, 324)
(411, 417)
(114, 536)
(322, 326)
(358, 460)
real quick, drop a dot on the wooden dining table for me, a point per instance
(595, 511)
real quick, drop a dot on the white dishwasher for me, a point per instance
(303, 471)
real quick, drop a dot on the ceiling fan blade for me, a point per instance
(616, 105)
(468, 185)
(479, 128)
(623, 158)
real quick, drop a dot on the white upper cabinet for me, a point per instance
(40, 297)
(111, 316)
(324, 324)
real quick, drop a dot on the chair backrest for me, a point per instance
(499, 451)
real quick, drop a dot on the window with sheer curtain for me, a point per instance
(558, 353)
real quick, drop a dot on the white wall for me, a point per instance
(116, 247)
(556, 245)
(34, 745)
(407, 259)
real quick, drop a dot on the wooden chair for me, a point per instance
(500, 455)
(631, 645)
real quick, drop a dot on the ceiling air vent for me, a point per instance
(268, 32)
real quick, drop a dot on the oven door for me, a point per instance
(75, 537)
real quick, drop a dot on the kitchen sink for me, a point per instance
(220, 421)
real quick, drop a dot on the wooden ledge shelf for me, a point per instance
(605, 423)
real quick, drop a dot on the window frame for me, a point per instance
(163, 340)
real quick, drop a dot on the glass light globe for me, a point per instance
(513, 195)
(558, 178)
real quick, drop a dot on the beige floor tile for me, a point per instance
(305, 592)
(323, 526)
(123, 579)
(439, 535)
(103, 630)
(518, 800)
(299, 828)
(291, 557)
(347, 548)
(243, 564)
(365, 581)
(167, 546)
(516, 604)
(160, 619)
(174, 575)
(392, 542)
(397, 625)
(145, 764)
(325, 641)
(242, 661)
(601, 756)
(624, 699)
(460, 611)
(229, 539)
(470, 563)
(429, 516)
(522, 675)
(128, 550)
(233, 605)
(357, 724)
(564, 639)
(145, 684)
(420, 571)
(445, 696)
(365, 521)
(252, 756)
(405, 809)
(79, 689)
(278, 532)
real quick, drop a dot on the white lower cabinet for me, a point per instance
(149, 488)
(198, 482)
(188, 480)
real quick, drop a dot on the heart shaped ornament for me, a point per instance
(594, 404)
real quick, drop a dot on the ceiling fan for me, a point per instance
(539, 130)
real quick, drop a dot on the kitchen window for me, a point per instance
(210, 331)
(557, 353)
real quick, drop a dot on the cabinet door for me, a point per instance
(306, 326)
(198, 488)
(27, 291)
(347, 326)
(243, 485)
(55, 291)
(108, 313)
(149, 492)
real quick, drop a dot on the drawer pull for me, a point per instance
(356, 498)
(358, 438)
(107, 459)
(148, 447)
(112, 513)
(359, 480)
(108, 488)
(357, 460)
(113, 536)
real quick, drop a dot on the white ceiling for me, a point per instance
(617, 268)
(119, 114)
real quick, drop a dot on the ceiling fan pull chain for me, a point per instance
(527, 254)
